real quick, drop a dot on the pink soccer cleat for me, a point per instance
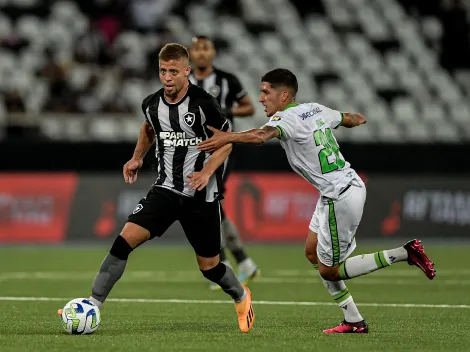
(349, 328)
(417, 257)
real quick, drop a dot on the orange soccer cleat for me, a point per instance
(245, 313)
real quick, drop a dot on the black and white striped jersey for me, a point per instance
(223, 86)
(179, 128)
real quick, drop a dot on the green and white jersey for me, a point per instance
(311, 148)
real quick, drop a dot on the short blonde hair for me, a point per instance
(173, 51)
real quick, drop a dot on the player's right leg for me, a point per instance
(151, 217)
(114, 264)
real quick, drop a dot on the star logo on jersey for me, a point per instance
(189, 118)
(214, 91)
(276, 118)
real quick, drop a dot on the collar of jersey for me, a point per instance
(179, 101)
(291, 105)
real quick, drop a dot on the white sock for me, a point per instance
(247, 265)
(396, 255)
(95, 302)
(367, 263)
(343, 298)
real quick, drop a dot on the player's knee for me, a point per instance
(215, 273)
(121, 248)
(207, 263)
(329, 273)
(135, 234)
(311, 247)
(311, 255)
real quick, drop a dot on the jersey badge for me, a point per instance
(138, 208)
(214, 91)
(189, 118)
(276, 118)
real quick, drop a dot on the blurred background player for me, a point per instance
(235, 102)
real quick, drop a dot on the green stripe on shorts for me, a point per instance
(333, 232)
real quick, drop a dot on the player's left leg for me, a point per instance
(222, 256)
(201, 224)
(344, 216)
(411, 252)
(247, 268)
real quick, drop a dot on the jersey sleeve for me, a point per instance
(236, 87)
(145, 105)
(214, 115)
(285, 123)
(333, 118)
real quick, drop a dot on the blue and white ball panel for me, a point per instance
(80, 316)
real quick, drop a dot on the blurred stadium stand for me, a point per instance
(78, 70)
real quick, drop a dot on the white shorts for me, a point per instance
(336, 222)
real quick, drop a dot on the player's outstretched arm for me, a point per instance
(353, 119)
(144, 142)
(253, 136)
(199, 180)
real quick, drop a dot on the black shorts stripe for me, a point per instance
(179, 155)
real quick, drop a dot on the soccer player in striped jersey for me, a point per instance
(188, 188)
(306, 134)
(235, 102)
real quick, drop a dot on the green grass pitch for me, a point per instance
(405, 310)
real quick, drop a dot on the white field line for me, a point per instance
(194, 277)
(272, 303)
(389, 272)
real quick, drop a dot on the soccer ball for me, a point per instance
(80, 317)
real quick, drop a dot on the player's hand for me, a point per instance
(130, 170)
(219, 139)
(198, 180)
(361, 119)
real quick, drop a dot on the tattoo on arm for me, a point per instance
(353, 119)
(255, 136)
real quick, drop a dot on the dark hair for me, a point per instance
(202, 37)
(173, 51)
(281, 77)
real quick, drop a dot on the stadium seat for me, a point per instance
(6, 26)
(390, 133)
(373, 56)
